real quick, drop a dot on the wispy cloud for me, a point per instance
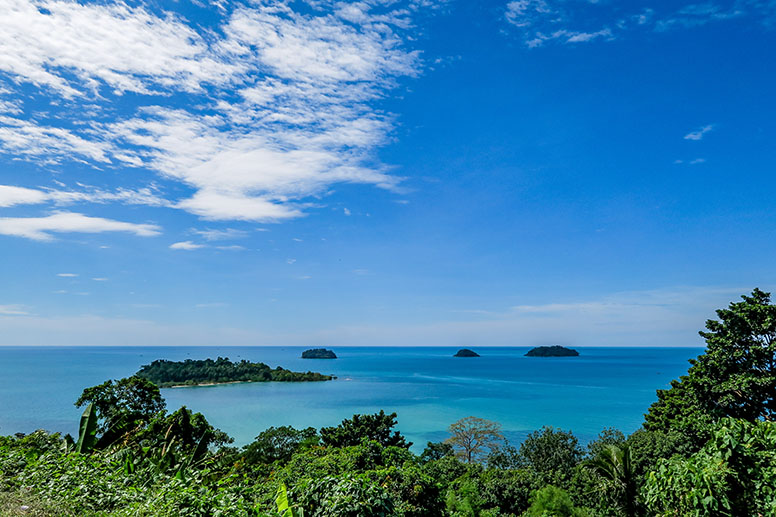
(13, 310)
(280, 103)
(698, 134)
(41, 228)
(186, 246)
(221, 235)
(541, 21)
(67, 275)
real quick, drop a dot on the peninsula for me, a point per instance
(190, 372)
(552, 351)
(465, 352)
(318, 353)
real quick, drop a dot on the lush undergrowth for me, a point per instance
(708, 447)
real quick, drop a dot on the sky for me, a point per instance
(414, 172)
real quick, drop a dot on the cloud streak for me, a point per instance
(41, 228)
(698, 134)
(543, 21)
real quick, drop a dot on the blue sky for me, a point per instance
(381, 172)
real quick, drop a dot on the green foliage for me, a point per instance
(732, 475)
(87, 430)
(473, 437)
(551, 501)
(193, 372)
(552, 454)
(285, 509)
(122, 404)
(736, 377)
(436, 451)
(278, 444)
(377, 427)
(614, 466)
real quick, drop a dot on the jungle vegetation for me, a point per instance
(193, 372)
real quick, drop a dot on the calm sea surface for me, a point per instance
(426, 386)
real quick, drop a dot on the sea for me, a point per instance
(426, 387)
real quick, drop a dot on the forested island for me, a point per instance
(465, 352)
(706, 447)
(318, 353)
(552, 351)
(197, 372)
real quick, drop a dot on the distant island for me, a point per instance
(552, 351)
(318, 353)
(465, 352)
(166, 374)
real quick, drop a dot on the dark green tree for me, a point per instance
(735, 377)
(552, 454)
(123, 404)
(436, 451)
(377, 427)
(278, 444)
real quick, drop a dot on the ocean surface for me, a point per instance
(427, 387)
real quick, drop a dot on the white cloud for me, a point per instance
(698, 135)
(540, 21)
(221, 235)
(100, 279)
(186, 245)
(10, 196)
(279, 106)
(13, 310)
(40, 228)
(67, 275)
(71, 47)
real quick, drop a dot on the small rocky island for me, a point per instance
(552, 351)
(207, 372)
(318, 353)
(465, 352)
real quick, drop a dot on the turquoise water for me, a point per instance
(426, 386)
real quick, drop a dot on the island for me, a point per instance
(552, 351)
(207, 372)
(465, 352)
(318, 353)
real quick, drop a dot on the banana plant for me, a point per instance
(87, 432)
(284, 507)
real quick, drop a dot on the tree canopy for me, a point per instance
(735, 377)
(208, 371)
(123, 402)
(377, 427)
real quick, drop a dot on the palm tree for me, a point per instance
(613, 464)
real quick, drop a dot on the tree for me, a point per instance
(473, 437)
(552, 501)
(436, 451)
(735, 377)
(614, 467)
(552, 454)
(185, 429)
(123, 403)
(278, 444)
(377, 427)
